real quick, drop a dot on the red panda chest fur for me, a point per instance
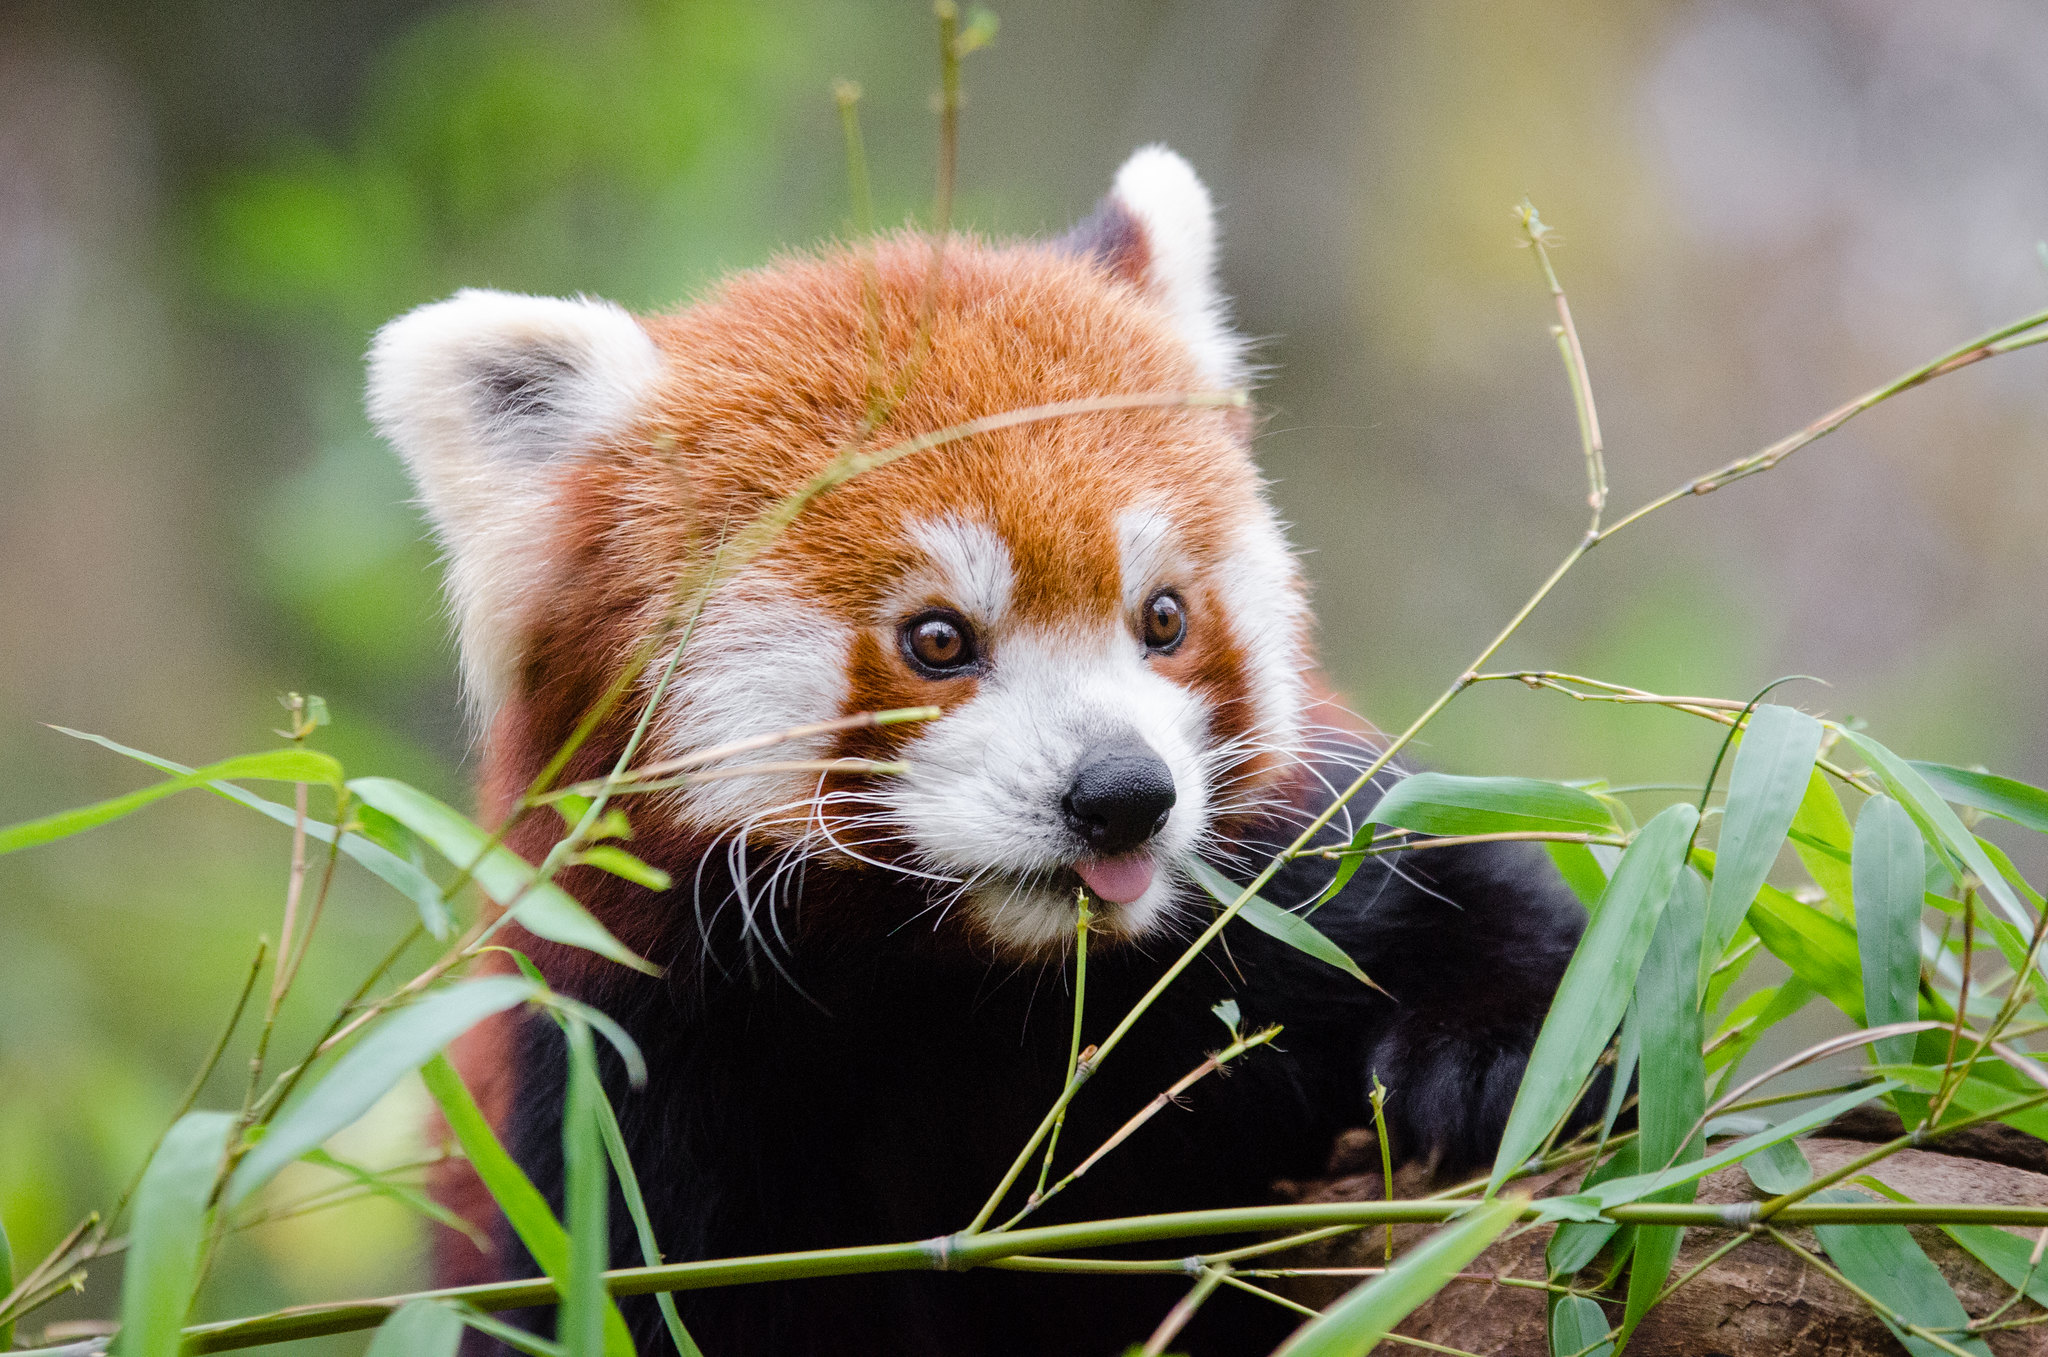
(1057, 541)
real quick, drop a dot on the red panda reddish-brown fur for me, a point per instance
(852, 1052)
(769, 377)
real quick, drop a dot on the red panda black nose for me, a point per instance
(1119, 798)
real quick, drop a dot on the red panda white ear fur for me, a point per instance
(1174, 257)
(483, 395)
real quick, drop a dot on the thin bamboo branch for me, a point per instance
(961, 1252)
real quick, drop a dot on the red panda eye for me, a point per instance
(939, 643)
(1166, 622)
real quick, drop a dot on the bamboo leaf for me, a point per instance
(1820, 836)
(1778, 1169)
(405, 1194)
(511, 1335)
(1759, 1012)
(1886, 1261)
(2009, 1258)
(540, 907)
(1821, 951)
(1276, 922)
(636, 1207)
(1596, 987)
(1673, 1079)
(586, 1191)
(1772, 768)
(278, 765)
(1888, 878)
(1639, 1186)
(1939, 825)
(395, 1047)
(1576, 1243)
(1976, 1095)
(1578, 1328)
(1628, 1054)
(1580, 870)
(611, 858)
(1365, 1315)
(2001, 796)
(418, 1328)
(1440, 803)
(169, 1229)
(379, 859)
(525, 1210)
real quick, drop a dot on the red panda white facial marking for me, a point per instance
(991, 795)
(1102, 606)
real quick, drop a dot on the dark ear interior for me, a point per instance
(522, 385)
(1114, 238)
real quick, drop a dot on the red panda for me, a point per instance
(855, 1029)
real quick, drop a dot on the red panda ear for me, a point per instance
(1157, 231)
(485, 395)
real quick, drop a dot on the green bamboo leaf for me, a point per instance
(525, 1210)
(1886, 1261)
(1580, 870)
(1628, 1054)
(610, 858)
(1758, 1013)
(1820, 836)
(169, 1229)
(1578, 1328)
(636, 1207)
(1276, 922)
(1364, 1316)
(1596, 987)
(1439, 803)
(1742, 952)
(1673, 1077)
(2001, 796)
(586, 1192)
(2010, 1258)
(511, 1335)
(404, 1194)
(419, 1328)
(1939, 824)
(394, 1048)
(540, 907)
(1642, 1185)
(380, 859)
(615, 1143)
(1576, 1243)
(1888, 877)
(1977, 1095)
(1772, 768)
(1778, 1169)
(278, 765)
(1821, 951)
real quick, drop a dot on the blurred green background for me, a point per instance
(207, 207)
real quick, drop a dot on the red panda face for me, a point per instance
(1101, 605)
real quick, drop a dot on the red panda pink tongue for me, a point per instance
(1117, 880)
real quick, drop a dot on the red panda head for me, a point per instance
(1102, 604)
